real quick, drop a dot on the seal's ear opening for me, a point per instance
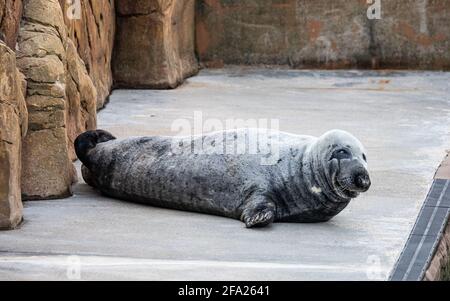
(88, 141)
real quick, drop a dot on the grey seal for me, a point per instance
(312, 180)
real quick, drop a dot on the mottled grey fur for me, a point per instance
(312, 180)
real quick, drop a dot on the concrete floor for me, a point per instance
(401, 117)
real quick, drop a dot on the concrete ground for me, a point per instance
(401, 117)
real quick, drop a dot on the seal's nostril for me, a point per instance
(362, 181)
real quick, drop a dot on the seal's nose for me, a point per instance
(362, 181)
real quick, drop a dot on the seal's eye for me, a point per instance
(364, 157)
(341, 154)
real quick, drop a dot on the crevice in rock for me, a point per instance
(6, 141)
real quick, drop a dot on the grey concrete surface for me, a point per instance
(401, 117)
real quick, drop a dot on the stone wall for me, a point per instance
(13, 126)
(61, 100)
(10, 15)
(64, 50)
(154, 45)
(92, 29)
(57, 100)
(414, 34)
(324, 34)
(441, 259)
(13, 116)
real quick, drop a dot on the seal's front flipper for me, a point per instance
(258, 212)
(259, 219)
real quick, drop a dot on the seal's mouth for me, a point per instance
(344, 188)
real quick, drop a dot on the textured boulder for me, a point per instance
(13, 126)
(154, 45)
(10, 15)
(91, 26)
(61, 100)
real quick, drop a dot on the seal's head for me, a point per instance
(344, 163)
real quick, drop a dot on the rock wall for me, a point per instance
(440, 259)
(13, 126)
(61, 100)
(80, 95)
(324, 34)
(10, 15)
(92, 27)
(414, 34)
(154, 45)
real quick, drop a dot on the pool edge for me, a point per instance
(427, 249)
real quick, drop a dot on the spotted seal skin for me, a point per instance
(312, 181)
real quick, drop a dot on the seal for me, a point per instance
(311, 180)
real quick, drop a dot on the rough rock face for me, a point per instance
(414, 34)
(61, 100)
(13, 126)
(81, 96)
(441, 258)
(92, 26)
(154, 45)
(324, 34)
(10, 15)
(285, 32)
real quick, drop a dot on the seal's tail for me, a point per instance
(89, 140)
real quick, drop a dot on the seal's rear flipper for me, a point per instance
(87, 177)
(88, 141)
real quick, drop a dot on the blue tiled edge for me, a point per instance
(426, 234)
